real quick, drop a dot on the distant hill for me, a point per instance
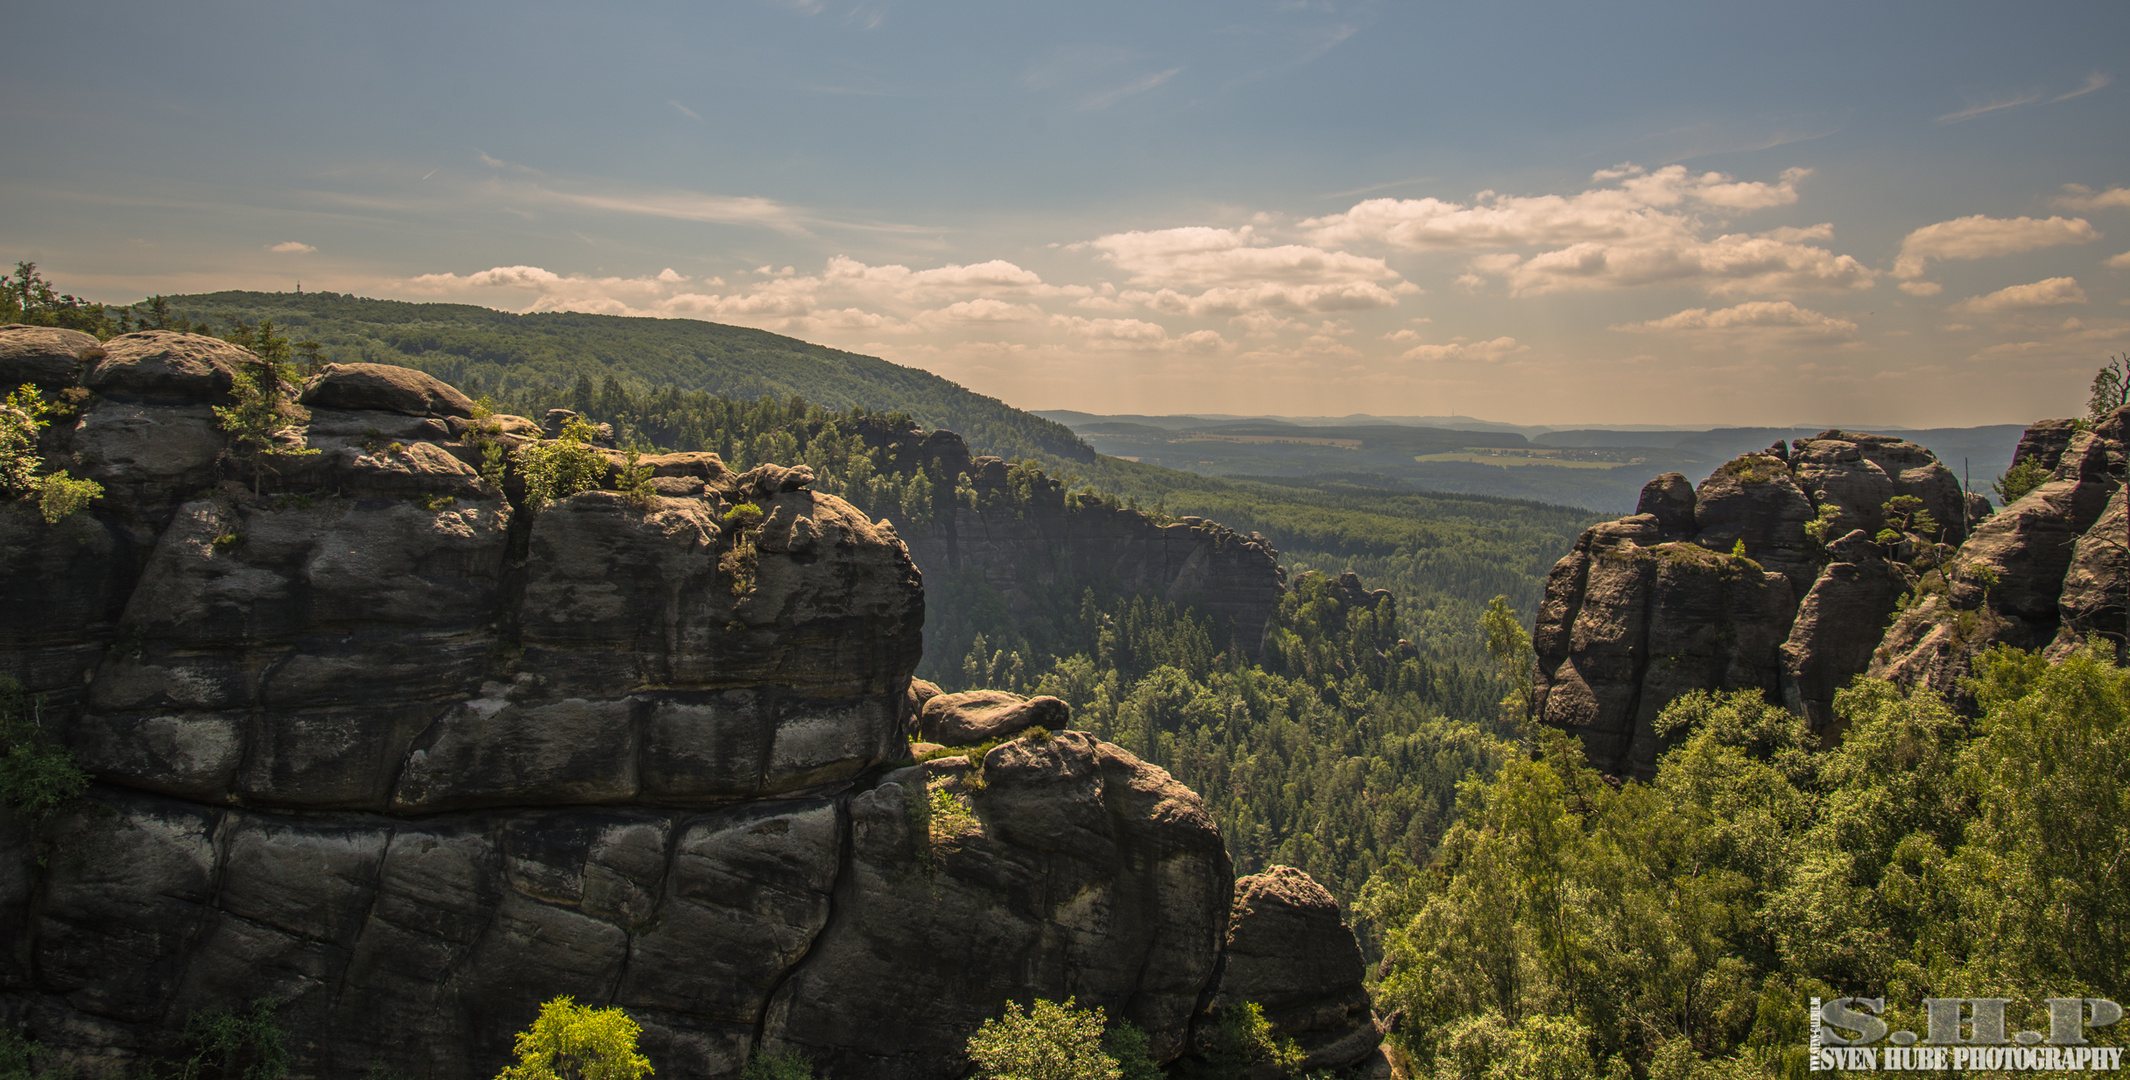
(484, 350)
(1601, 469)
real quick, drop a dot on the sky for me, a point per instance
(1912, 214)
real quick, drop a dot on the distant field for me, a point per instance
(1520, 460)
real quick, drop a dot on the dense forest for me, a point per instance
(1572, 927)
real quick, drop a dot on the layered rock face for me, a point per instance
(1722, 587)
(2046, 572)
(1650, 607)
(387, 746)
(1026, 539)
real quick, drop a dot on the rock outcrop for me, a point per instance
(2043, 573)
(975, 716)
(1725, 587)
(390, 747)
(1289, 951)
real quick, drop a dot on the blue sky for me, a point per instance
(1847, 213)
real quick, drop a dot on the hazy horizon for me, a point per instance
(1667, 215)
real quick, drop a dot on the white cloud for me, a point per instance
(685, 111)
(1979, 236)
(2081, 197)
(2093, 82)
(2118, 262)
(1485, 351)
(1135, 335)
(1778, 321)
(1200, 270)
(1922, 288)
(2052, 292)
(292, 247)
(1641, 228)
(1995, 104)
(1107, 98)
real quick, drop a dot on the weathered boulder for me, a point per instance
(164, 366)
(1670, 499)
(1754, 499)
(384, 388)
(1075, 869)
(1289, 951)
(975, 716)
(44, 355)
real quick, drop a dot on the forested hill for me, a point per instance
(489, 351)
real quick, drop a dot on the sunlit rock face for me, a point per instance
(1771, 575)
(377, 740)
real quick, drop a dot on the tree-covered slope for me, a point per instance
(486, 351)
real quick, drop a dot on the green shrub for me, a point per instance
(37, 775)
(2024, 476)
(561, 467)
(1243, 1041)
(57, 494)
(636, 483)
(1047, 1041)
(791, 1065)
(234, 1046)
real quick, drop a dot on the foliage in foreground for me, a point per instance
(1573, 928)
(1053, 1041)
(22, 468)
(578, 1042)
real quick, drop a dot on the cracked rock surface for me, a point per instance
(379, 743)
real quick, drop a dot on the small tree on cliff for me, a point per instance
(577, 1042)
(2111, 387)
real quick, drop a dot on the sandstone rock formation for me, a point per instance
(2043, 573)
(975, 716)
(1289, 951)
(392, 749)
(1649, 607)
(1723, 587)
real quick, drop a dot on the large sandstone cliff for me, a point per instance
(382, 744)
(1777, 574)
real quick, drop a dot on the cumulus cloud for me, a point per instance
(1922, 288)
(1135, 335)
(1979, 236)
(2051, 292)
(2118, 262)
(1484, 351)
(1200, 270)
(1776, 321)
(1639, 228)
(2081, 197)
(292, 247)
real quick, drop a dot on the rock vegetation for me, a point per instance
(388, 746)
(1793, 570)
